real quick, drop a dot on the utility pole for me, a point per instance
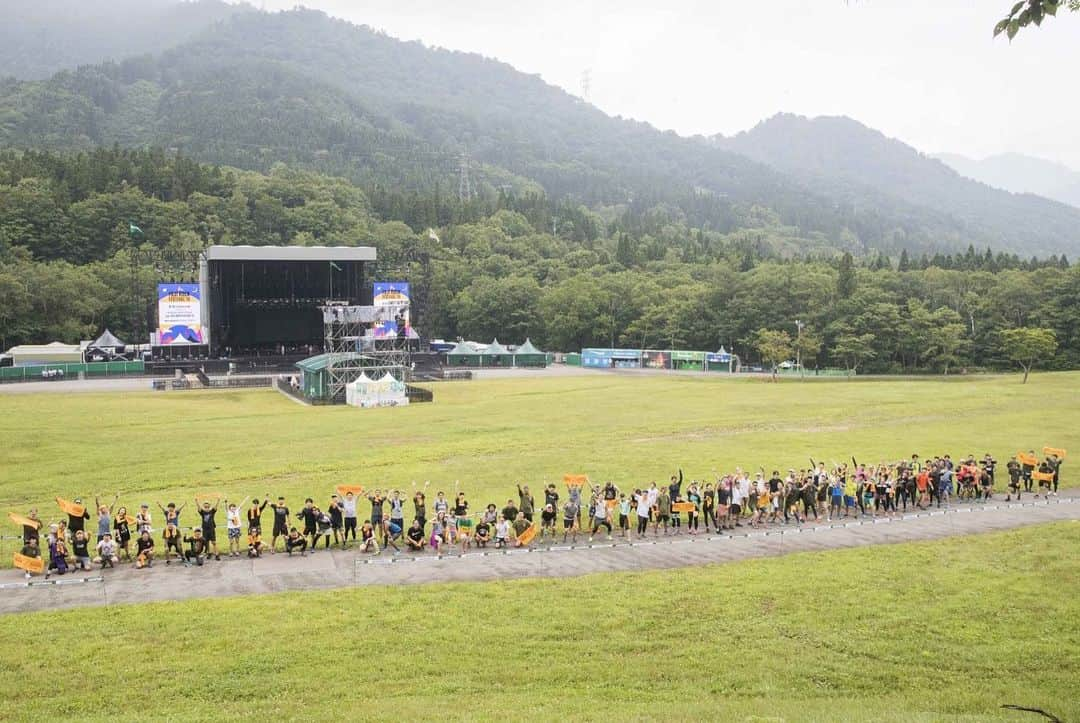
(586, 84)
(798, 346)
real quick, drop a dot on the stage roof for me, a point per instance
(290, 253)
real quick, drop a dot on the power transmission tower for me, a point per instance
(464, 187)
(586, 84)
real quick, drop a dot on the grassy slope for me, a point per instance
(944, 630)
(163, 446)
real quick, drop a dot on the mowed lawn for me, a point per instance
(945, 630)
(160, 447)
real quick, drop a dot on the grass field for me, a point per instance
(157, 447)
(944, 630)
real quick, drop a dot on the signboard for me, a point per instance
(657, 360)
(721, 357)
(392, 306)
(180, 314)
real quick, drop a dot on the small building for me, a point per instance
(688, 360)
(528, 355)
(28, 355)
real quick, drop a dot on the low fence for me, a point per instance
(418, 394)
(58, 372)
(161, 385)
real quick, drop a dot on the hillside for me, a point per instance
(301, 88)
(41, 37)
(848, 160)
(1020, 174)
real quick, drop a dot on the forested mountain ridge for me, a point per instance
(327, 95)
(848, 160)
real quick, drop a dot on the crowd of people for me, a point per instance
(741, 499)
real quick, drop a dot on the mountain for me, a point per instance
(845, 159)
(41, 37)
(301, 88)
(1020, 174)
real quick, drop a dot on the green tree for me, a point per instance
(1028, 346)
(773, 347)
(1026, 12)
(854, 349)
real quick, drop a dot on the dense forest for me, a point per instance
(257, 89)
(512, 265)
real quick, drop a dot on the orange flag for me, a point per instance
(343, 490)
(70, 508)
(29, 564)
(575, 480)
(23, 520)
(527, 536)
(1055, 451)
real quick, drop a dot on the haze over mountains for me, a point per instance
(1020, 174)
(250, 89)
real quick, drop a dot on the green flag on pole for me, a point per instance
(334, 266)
(134, 230)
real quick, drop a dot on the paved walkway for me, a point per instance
(347, 568)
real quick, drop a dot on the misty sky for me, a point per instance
(933, 78)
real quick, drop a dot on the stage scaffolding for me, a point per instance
(351, 352)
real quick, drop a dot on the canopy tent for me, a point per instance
(528, 355)
(496, 355)
(463, 355)
(107, 340)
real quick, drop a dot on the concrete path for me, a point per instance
(347, 568)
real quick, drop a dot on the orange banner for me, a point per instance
(130, 519)
(683, 507)
(575, 480)
(29, 564)
(1026, 458)
(1043, 476)
(357, 490)
(70, 508)
(209, 497)
(527, 536)
(23, 520)
(1055, 451)
(611, 504)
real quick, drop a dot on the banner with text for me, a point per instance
(180, 314)
(392, 302)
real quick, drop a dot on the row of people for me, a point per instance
(836, 492)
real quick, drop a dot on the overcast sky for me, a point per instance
(924, 71)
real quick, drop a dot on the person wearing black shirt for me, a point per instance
(76, 523)
(483, 533)
(123, 532)
(281, 522)
(510, 512)
(551, 497)
(144, 549)
(208, 515)
(196, 548)
(254, 514)
(294, 540)
(30, 532)
(337, 519)
(414, 538)
(80, 549)
(309, 516)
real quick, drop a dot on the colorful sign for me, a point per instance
(391, 305)
(657, 360)
(180, 314)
